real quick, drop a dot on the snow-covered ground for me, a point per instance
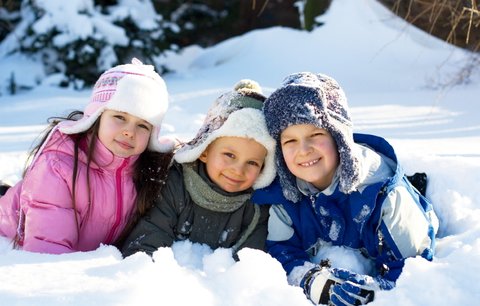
(390, 72)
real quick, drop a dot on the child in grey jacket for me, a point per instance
(206, 198)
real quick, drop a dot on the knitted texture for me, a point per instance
(203, 195)
(307, 98)
(235, 114)
(132, 88)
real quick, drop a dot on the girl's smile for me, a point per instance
(123, 134)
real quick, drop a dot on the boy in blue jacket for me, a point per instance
(337, 188)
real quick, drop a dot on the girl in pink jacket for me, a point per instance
(93, 175)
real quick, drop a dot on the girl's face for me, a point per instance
(234, 163)
(123, 134)
(310, 154)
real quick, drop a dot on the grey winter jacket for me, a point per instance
(217, 218)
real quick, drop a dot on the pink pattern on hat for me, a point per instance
(132, 88)
(105, 88)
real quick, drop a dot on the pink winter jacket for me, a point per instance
(40, 206)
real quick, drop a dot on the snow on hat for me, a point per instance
(307, 98)
(132, 88)
(235, 114)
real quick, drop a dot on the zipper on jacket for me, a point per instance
(119, 201)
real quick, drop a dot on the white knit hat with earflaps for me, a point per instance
(235, 114)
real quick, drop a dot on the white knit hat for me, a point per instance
(235, 114)
(132, 88)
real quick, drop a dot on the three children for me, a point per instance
(333, 187)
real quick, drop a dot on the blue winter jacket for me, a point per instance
(387, 221)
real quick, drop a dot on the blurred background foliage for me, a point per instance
(454, 21)
(173, 24)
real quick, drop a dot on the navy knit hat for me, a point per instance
(308, 98)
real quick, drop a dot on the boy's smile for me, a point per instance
(311, 163)
(310, 154)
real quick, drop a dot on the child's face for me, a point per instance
(310, 154)
(234, 163)
(123, 134)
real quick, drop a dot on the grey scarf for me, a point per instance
(203, 195)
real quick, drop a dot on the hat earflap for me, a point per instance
(245, 123)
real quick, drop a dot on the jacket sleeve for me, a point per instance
(46, 204)
(9, 210)
(407, 228)
(156, 228)
(283, 242)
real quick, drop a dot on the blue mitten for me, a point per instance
(350, 294)
(335, 286)
(357, 289)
